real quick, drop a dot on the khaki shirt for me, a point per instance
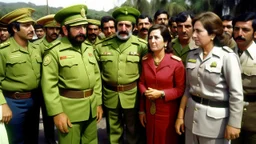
(19, 68)
(72, 68)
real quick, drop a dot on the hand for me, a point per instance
(143, 120)
(152, 94)
(179, 126)
(6, 113)
(62, 122)
(231, 132)
(99, 113)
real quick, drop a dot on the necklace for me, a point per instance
(156, 63)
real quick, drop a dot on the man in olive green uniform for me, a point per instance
(52, 30)
(4, 34)
(20, 63)
(120, 58)
(183, 43)
(71, 80)
(244, 33)
(93, 31)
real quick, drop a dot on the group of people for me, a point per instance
(153, 80)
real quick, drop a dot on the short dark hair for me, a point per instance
(164, 33)
(158, 12)
(38, 26)
(227, 18)
(11, 25)
(142, 16)
(183, 16)
(246, 17)
(171, 20)
(105, 19)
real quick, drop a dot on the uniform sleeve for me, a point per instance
(49, 82)
(142, 89)
(232, 74)
(2, 77)
(98, 85)
(179, 83)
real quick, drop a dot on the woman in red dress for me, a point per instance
(162, 82)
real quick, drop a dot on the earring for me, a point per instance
(211, 39)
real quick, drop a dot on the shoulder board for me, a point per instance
(87, 42)
(5, 44)
(145, 57)
(229, 50)
(37, 42)
(176, 57)
(142, 40)
(53, 44)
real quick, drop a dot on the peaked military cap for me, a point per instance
(21, 15)
(72, 15)
(48, 21)
(126, 14)
(93, 22)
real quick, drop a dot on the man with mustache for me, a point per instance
(20, 67)
(144, 22)
(183, 43)
(52, 30)
(244, 34)
(119, 59)
(4, 34)
(228, 28)
(71, 80)
(93, 31)
(161, 17)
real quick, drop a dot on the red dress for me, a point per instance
(170, 77)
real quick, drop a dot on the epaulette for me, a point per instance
(145, 57)
(143, 41)
(176, 57)
(37, 42)
(5, 44)
(53, 44)
(105, 41)
(229, 50)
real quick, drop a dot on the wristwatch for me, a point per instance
(162, 95)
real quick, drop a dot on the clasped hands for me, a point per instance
(152, 94)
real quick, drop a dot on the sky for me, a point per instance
(91, 4)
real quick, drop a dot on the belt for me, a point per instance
(120, 88)
(75, 93)
(17, 95)
(211, 103)
(250, 98)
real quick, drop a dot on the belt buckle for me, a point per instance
(84, 94)
(16, 96)
(120, 88)
(201, 100)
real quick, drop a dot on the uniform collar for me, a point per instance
(252, 50)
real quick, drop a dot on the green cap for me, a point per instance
(126, 14)
(93, 22)
(21, 15)
(48, 21)
(72, 15)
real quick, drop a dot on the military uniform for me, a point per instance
(214, 92)
(248, 64)
(98, 38)
(19, 77)
(120, 63)
(71, 81)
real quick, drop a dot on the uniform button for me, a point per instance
(194, 122)
(245, 109)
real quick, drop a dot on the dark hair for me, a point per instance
(158, 12)
(164, 33)
(227, 18)
(142, 16)
(246, 17)
(38, 26)
(213, 24)
(183, 16)
(171, 20)
(15, 25)
(105, 19)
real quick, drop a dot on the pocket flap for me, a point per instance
(133, 58)
(68, 63)
(16, 61)
(212, 69)
(106, 58)
(39, 59)
(249, 71)
(190, 65)
(217, 113)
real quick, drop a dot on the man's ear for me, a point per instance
(254, 35)
(64, 30)
(14, 29)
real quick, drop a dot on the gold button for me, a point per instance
(245, 109)
(194, 122)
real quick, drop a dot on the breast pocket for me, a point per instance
(107, 63)
(249, 76)
(212, 75)
(37, 66)
(132, 65)
(69, 69)
(190, 68)
(17, 67)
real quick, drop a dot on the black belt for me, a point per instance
(250, 98)
(211, 103)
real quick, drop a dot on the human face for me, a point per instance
(109, 28)
(124, 30)
(143, 26)
(162, 19)
(39, 33)
(243, 34)
(156, 41)
(92, 32)
(26, 31)
(77, 34)
(201, 36)
(4, 34)
(52, 33)
(174, 28)
(227, 27)
(185, 30)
